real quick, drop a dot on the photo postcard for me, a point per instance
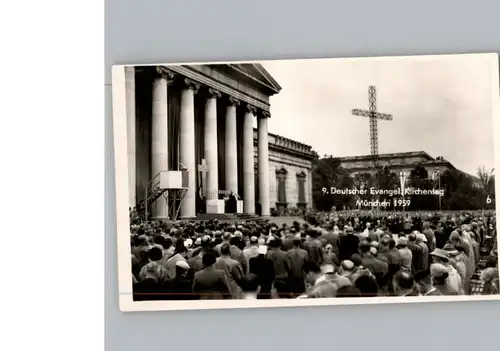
(311, 182)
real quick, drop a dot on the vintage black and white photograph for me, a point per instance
(307, 182)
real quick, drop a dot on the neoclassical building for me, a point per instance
(401, 162)
(200, 119)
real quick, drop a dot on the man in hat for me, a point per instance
(440, 279)
(456, 263)
(405, 253)
(180, 287)
(320, 286)
(332, 274)
(453, 282)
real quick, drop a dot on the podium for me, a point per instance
(172, 185)
(239, 206)
(215, 206)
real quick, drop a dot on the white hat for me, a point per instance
(422, 237)
(262, 249)
(188, 243)
(182, 264)
(328, 268)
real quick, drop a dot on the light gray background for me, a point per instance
(147, 31)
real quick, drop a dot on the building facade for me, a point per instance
(400, 162)
(182, 117)
(290, 178)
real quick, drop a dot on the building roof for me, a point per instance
(253, 74)
(288, 145)
(388, 156)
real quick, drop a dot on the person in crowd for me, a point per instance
(180, 287)
(263, 268)
(441, 281)
(490, 277)
(180, 254)
(453, 282)
(424, 284)
(404, 284)
(252, 250)
(281, 262)
(319, 285)
(297, 257)
(377, 267)
(250, 286)
(332, 274)
(334, 254)
(367, 285)
(405, 253)
(211, 283)
(314, 247)
(231, 267)
(349, 244)
(153, 269)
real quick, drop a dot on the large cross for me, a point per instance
(373, 115)
(203, 169)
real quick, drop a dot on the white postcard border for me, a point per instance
(126, 302)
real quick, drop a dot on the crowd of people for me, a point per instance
(337, 254)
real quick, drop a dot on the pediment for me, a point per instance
(251, 74)
(258, 72)
(282, 171)
(301, 174)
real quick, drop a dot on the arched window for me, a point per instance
(301, 186)
(281, 175)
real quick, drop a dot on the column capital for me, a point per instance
(190, 84)
(233, 101)
(213, 93)
(263, 114)
(164, 73)
(251, 109)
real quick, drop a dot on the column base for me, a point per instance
(239, 206)
(215, 206)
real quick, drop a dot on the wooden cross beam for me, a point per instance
(373, 115)
(203, 169)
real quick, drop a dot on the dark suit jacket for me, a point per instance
(179, 288)
(348, 246)
(297, 257)
(211, 284)
(263, 268)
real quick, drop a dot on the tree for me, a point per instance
(327, 172)
(419, 179)
(488, 186)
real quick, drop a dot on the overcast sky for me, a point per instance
(440, 104)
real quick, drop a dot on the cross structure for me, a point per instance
(373, 115)
(203, 169)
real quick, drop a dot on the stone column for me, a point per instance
(231, 151)
(131, 120)
(210, 147)
(159, 137)
(263, 147)
(248, 162)
(187, 146)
